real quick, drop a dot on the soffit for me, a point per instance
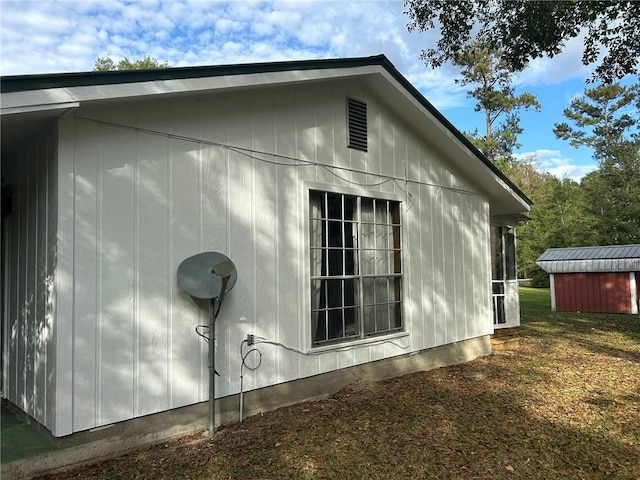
(377, 74)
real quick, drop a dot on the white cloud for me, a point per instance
(438, 87)
(553, 162)
(551, 71)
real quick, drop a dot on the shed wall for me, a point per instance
(608, 292)
(229, 173)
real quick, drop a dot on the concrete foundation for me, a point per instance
(98, 444)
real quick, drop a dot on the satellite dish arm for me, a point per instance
(224, 270)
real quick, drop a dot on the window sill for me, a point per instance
(362, 342)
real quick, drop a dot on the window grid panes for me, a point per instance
(503, 267)
(356, 268)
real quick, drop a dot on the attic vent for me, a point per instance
(357, 124)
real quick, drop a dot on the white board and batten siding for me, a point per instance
(138, 203)
(29, 239)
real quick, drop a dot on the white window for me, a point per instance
(503, 268)
(356, 268)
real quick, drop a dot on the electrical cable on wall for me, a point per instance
(293, 161)
(205, 336)
(243, 357)
(253, 340)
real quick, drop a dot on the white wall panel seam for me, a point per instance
(443, 284)
(51, 208)
(464, 261)
(24, 320)
(170, 284)
(6, 294)
(35, 331)
(135, 380)
(62, 406)
(30, 290)
(99, 271)
(50, 146)
(430, 239)
(254, 232)
(203, 347)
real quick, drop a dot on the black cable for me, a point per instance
(203, 335)
(206, 339)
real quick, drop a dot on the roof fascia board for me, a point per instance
(57, 80)
(51, 97)
(44, 92)
(39, 108)
(464, 148)
(451, 128)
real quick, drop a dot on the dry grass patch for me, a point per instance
(564, 405)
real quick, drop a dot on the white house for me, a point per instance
(357, 216)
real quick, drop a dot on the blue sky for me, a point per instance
(43, 36)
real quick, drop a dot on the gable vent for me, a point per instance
(356, 124)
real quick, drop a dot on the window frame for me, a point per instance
(361, 337)
(505, 236)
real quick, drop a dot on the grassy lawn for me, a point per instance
(564, 404)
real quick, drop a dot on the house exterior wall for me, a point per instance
(606, 292)
(511, 304)
(133, 204)
(29, 250)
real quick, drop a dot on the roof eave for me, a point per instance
(42, 92)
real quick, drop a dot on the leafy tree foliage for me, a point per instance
(606, 119)
(602, 119)
(604, 208)
(558, 216)
(528, 29)
(486, 70)
(105, 64)
(613, 196)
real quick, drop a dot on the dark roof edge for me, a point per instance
(458, 134)
(17, 83)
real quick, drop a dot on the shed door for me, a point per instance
(593, 292)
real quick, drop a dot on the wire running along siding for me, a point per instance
(608, 292)
(137, 205)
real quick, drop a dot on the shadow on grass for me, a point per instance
(563, 405)
(542, 412)
(468, 421)
(616, 335)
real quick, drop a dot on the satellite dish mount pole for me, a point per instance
(209, 275)
(212, 368)
(224, 271)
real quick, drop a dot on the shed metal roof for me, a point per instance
(610, 258)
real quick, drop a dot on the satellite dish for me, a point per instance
(209, 275)
(203, 275)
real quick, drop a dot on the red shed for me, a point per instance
(593, 279)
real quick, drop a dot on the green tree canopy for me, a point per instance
(612, 194)
(528, 29)
(558, 217)
(485, 69)
(606, 119)
(105, 64)
(603, 117)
